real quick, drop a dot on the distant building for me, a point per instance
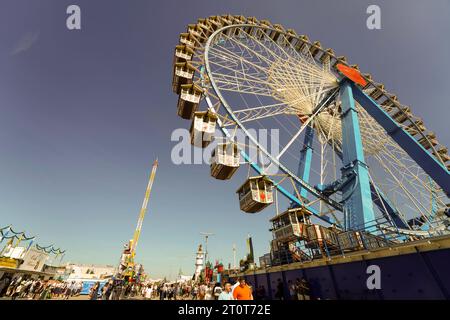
(32, 262)
(199, 262)
(85, 272)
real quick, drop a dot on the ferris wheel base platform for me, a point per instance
(415, 270)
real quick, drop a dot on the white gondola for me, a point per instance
(183, 53)
(326, 56)
(189, 100)
(302, 43)
(260, 32)
(315, 48)
(291, 225)
(341, 60)
(202, 128)
(416, 128)
(443, 154)
(249, 29)
(194, 30)
(377, 91)
(226, 20)
(187, 39)
(215, 23)
(255, 194)
(225, 160)
(391, 101)
(240, 19)
(182, 74)
(288, 38)
(402, 116)
(275, 34)
(429, 141)
(204, 25)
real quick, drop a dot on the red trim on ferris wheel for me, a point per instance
(352, 74)
(303, 117)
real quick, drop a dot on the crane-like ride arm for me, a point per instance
(137, 232)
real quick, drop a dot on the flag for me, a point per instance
(30, 244)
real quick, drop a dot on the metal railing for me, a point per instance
(332, 244)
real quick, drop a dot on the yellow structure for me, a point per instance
(137, 232)
(130, 252)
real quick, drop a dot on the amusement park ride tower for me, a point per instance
(127, 265)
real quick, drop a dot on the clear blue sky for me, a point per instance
(85, 113)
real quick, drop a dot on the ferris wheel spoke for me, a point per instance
(381, 200)
(412, 199)
(407, 172)
(258, 113)
(290, 65)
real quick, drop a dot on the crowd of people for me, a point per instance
(202, 291)
(27, 288)
(240, 290)
(116, 290)
(24, 287)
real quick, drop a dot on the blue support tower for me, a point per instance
(357, 198)
(304, 167)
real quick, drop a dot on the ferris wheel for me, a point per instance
(341, 145)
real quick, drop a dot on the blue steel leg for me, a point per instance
(357, 197)
(305, 158)
(304, 166)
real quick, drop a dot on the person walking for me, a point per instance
(292, 290)
(279, 294)
(12, 286)
(116, 291)
(45, 291)
(209, 292)
(148, 292)
(4, 284)
(37, 289)
(194, 292)
(217, 291)
(261, 292)
(17, 290)
(93, 295)
(201, 292)
(303, 290)
(242, 291)
(226, 293)
(106, 291)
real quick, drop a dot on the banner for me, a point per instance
(34, 260)
(87, 285)
(14, 252)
